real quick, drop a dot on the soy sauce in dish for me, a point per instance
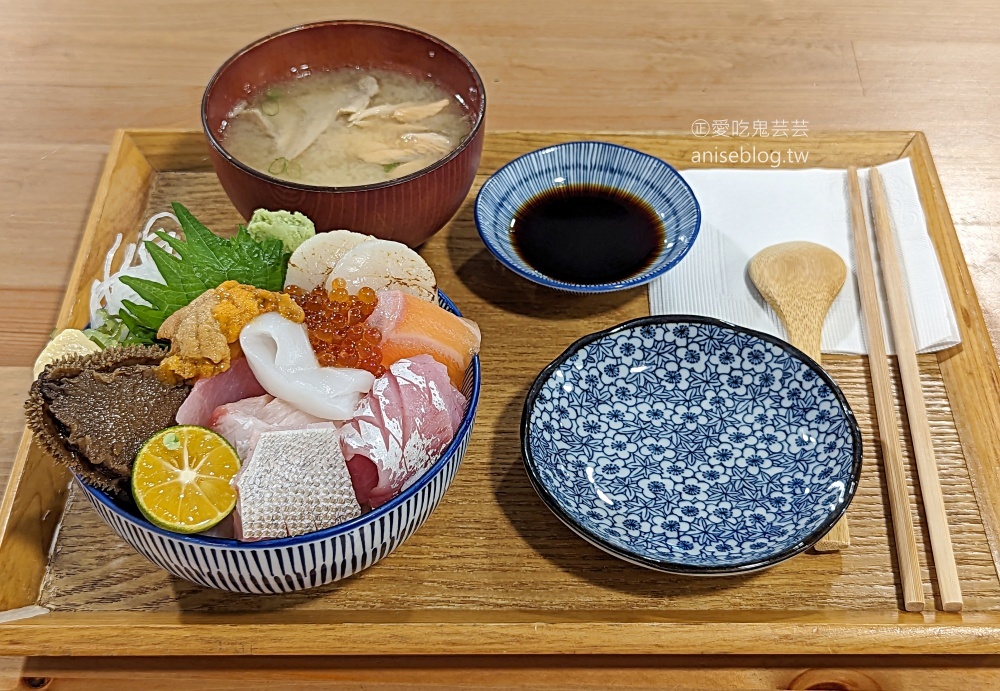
(587, 234)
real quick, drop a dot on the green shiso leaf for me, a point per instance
(137, 333)
(203, 261)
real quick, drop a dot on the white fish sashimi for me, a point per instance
(384, 264)
(283, 361)
(314, 259)
(296, 482)
(242, 422)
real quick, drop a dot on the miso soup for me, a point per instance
(346, 127)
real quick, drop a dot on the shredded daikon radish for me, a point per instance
(109, 292)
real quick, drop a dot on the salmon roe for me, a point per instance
(337, 331)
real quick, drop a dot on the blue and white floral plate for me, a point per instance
(691, 446)
(599, 163)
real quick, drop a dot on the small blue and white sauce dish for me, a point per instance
(587, 217)
(691, 446)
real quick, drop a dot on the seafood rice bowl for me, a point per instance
(265, 413)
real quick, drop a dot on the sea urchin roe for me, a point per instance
(239, 304)
(202, 334)
(337, 331)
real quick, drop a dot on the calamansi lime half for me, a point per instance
(181, 476)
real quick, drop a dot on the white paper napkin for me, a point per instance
(744, 211)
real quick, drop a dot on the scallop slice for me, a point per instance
(314, 259)
(383, 264)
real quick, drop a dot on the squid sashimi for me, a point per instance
(411, 326)
(242, 422)
(401, 428)
(284, 363)
(236, 383)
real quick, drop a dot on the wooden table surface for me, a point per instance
(72, 72)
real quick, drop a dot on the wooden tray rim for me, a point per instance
(486, 632)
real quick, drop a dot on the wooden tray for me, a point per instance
(493, 571)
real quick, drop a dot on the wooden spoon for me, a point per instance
(800, 281)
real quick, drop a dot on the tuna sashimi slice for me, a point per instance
(242, 422)
(411, 326)
(401, 428)
(236, 383)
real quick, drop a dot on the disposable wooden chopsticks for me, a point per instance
(885, 410)
(916, 411)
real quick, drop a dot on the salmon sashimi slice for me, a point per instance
(411, 326)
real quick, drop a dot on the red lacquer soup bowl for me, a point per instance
(409, 209)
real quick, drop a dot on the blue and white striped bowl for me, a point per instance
(594, 163)
(306, 561)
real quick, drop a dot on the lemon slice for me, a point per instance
(180, 479)
(67, 342)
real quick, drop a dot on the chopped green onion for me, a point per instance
(113, 331)
(389, 167)
(278, 166)
(270, 105)
(294, 168)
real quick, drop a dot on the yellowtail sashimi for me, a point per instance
(207, 394)
(401, 428)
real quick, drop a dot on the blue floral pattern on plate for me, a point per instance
(691, 445)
